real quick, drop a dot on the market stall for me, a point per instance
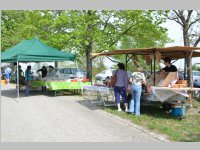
(35, 51)
(153, 55)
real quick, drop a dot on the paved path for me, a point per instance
(40, 118)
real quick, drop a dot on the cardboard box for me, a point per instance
(166, 78)
(182, 82)
(175, 85)
(179, 85)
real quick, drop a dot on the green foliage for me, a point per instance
(85, 31)
(196, 67)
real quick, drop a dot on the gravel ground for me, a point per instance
(43, 118)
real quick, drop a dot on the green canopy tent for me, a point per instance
(34, 51)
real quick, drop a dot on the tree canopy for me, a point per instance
(85, 31)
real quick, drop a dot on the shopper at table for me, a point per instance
(43, 71)
(28, 79)
(120, 87)
(2, 73)
(20, 75)
(107, 81)
(8, 71)
(136, 80)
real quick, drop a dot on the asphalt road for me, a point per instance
(43, 118)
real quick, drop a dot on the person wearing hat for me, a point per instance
(121, 85)
(137, 79)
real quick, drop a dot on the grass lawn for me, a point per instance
(155, 119)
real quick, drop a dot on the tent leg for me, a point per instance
(17, 79)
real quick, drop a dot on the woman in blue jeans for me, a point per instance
(136, 80)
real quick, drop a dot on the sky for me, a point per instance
(175, 33)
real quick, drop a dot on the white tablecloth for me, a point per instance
(101, 89)
(164, 93)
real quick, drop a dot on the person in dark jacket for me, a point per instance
(43, 70)
(168, 66)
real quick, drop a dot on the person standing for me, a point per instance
(28, 79)
(2, 73)
(8, 71)
(136, 80)
(121, 85)
(20, 74)
(43, 70)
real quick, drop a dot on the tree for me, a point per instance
(189, 20)
(103, 30)
(84, 31)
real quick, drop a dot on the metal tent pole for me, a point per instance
(17, 79)
(76, 64)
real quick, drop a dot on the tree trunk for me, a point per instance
(89, 61)
(188, 60)
(186, 36)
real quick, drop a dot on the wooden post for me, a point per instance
(126, 61)
(185, 69)
(154, 65)
(190, 78)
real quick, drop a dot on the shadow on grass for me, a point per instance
(152, 109)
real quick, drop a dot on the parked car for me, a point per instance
(181, 75)
(196, 78)
(108, 73)
(70, 73)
